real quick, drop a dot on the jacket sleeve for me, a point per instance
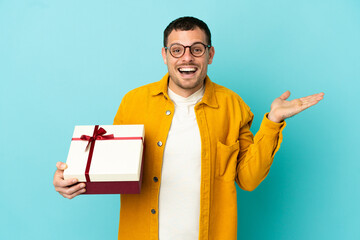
(120, 114)
(257, 153)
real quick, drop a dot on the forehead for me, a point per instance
(187, 37)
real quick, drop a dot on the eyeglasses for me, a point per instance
(177, 50)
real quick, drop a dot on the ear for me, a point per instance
(163, 53)
(211, 54)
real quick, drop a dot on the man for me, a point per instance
(198, 143)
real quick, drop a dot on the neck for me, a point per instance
(184, 92)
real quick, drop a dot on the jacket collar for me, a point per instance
(209, 98)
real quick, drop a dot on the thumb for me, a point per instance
(61, 165)
(285, 95)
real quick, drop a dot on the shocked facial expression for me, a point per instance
(187, 73)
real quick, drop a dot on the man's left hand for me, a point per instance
(282, 109)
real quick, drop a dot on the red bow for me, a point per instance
(97, 135)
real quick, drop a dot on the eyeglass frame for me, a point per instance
(206, 46)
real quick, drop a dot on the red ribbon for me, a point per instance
(98, 134)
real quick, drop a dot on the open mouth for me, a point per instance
(187, 70)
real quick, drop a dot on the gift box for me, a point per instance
(108, 158)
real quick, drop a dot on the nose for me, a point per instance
(187, 57)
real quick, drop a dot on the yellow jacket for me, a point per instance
(229, 153)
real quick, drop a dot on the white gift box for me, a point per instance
(110, 164)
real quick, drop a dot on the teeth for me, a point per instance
(187, 69)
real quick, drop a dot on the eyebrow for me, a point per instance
(187, 45)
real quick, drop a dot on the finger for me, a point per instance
(311, 98)
(308, 104)
(61, 165)
(71, 196)
(58, 177)
(285, 95)
(70, 190)
(59, 173)
(60, 182)
(320, 96)
(314, 96)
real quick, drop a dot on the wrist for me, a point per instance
(272, 117)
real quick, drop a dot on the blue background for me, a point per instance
(66, 63)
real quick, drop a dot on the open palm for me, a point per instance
(282, 109)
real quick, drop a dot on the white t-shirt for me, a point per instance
(179, 201)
